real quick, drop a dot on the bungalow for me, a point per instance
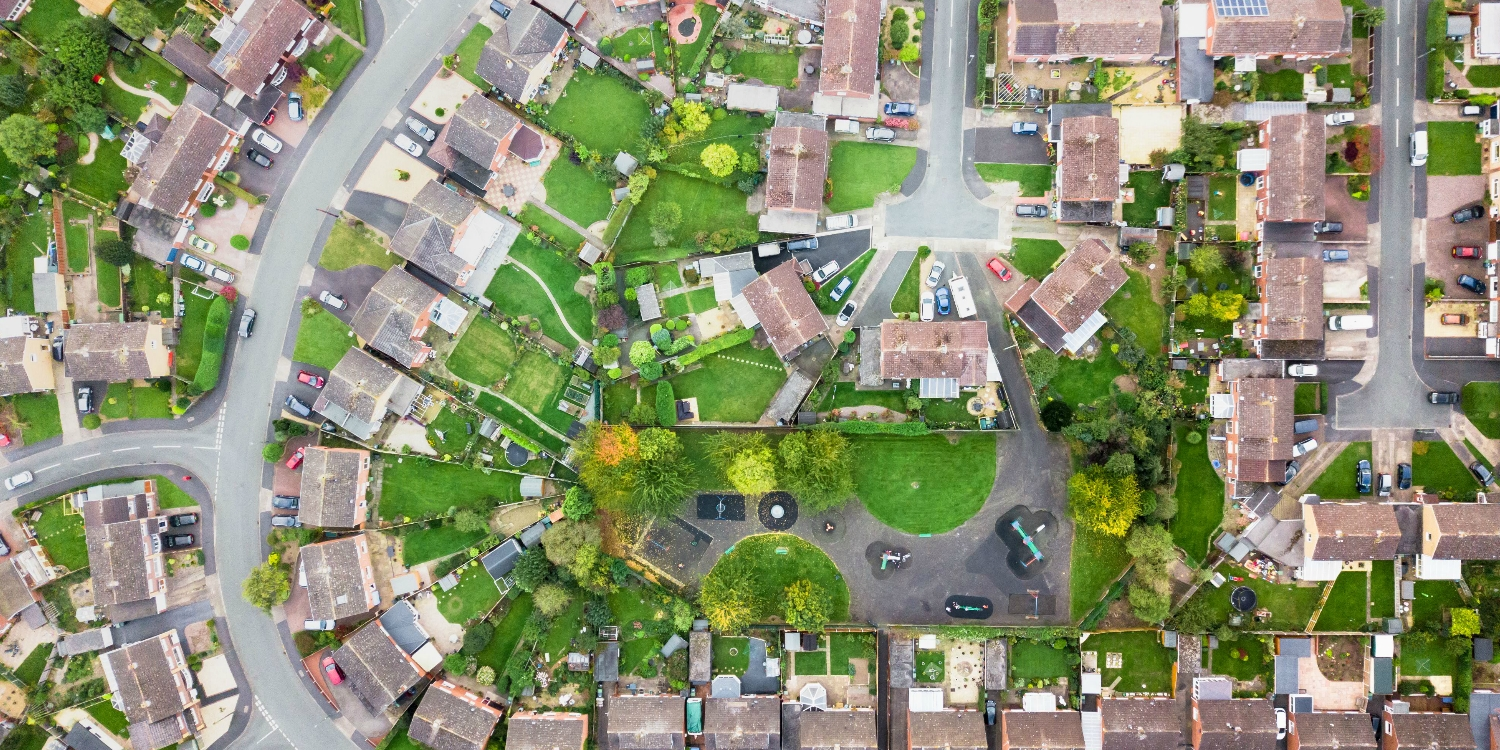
(177, 175)
(645, 722)
(1454, 532)
(25, 365)
(837, 730)
(1140, 724)
(1340, 533)
(1062, 310)
(555, 730)
(335, 482)
(945, 356)
(1041, 730)
(1330, 730)
(1259, 437)
(781, 306)
(452, 718)
(461, 242)
(339, 578)
(1290, 280)
(1124, 31)
(395, 316)
(362, 391)
(1291, 190)
(848, 84)
(1401, 730)
(120, 530)
(519, 56)
(1088, 170)
(260, 42)
(796, 173)
(378, 669)
(1297, 29)
(745, 723)
(116, 352)
(1233, 724)
(480, 137)
(151, 683)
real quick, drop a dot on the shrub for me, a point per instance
(239, 242)
(857, 427)
(666, 404)
(272, 452)
(718, 344)
(207, 210)
(215, 329)
(91, 421)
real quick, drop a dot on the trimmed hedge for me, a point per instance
(666, 404)
(733, 338)
(521, 440)
(215, 330)
(859, 427)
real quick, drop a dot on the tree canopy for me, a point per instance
(1102, 502)
(25, 140)
(816, 467)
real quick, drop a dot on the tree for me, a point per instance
(605, 354)
(691, 116)
(608, 454)
(82, 46)
(1226, 305)
(1120, 464)
(663, 476)
(1151, 542)
(69, 92)
(13, 90)
(1198, 307)
(666, 404)
(520, 671)
(806, 606)
(24, 139)
(637, 185)
(816, 467)
(89, 118)
(665, 219)
(1103, 503)
(577, 504)
(749, 162)
(1056, 415)
(92, 421)
(564, 539)
(1149, 604)
(267, 586)
(485, 675)
(314, 94)
(1373, 16)
(1206, 259)
(720, 158)
(551, 599)
(273, 452)
(476, 638)
(727, 595)
(133, 18)
(1465, 622)
(753, 472)
(532, 568)
(1041, 367)
(470, 521)
(1166, 508)
(642, 352)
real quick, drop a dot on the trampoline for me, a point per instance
(1242, 598)
(516, 456)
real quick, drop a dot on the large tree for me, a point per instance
(267, 586)
(115, 251)
(551, 599)
(24, 139)
(566, 537)
(744, 460)
(817, 467)
(806, 606)
(133, 18)
(1102, 502)
(727, 595)
(663, 475)
(532, 568)
(640, 474)
(720, 158)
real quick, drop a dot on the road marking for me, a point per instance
(91, 455)
(53, 466)
(122, 450)
(1398, 55)
(274, 726)
(206, 447)
(166, 446)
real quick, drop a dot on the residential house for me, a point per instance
(185, 55)
(1330, 730)
(837, 730)
(116, 352)
(946, 730)
(395, 316)
(18, 597)
(259, 43)
(377, 668)
(84, 737)
(570, 12)
(1140, 723)
(1339, 533)
(150, 683)
(177, 174)
(120, 526)
(555, 730)
(12, 10)
(460, 241)
(1259, 438)
(339, 578)
(1297, 29)
(745, 723)
(452, 718)
(1235, 724)
(519, 56)
(25, 365)
(781, 306)
(796, 173)
(1062, 310)
(1088, 170)
(1454, 532)
(645, 722)
(1401, 730)
(946, 356)
(1041, 730)
(1291, 190)
(1290, 280)
(335, 483)
(480, 137)
(1125, 31)
(362, 391)
(848, 84)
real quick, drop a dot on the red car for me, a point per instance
(335, 675)
(270, 118)
(999, 269)
(1465, 251)
(4, 440)
(310, 379)
(295, 460)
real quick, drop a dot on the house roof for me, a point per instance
(1467, 531)
(1294, 182)
(1334, 731)
(1045, 730)
(364, 388)
(646, 722)
(337, 586)
(525, 40)
(747, 723)
(147, 688)
(185, 55)
(845, 730)
(797, 168)
(940, 349)
(262, 34)
(81, 737)
(1292, 306)
(479, 129)
(173, 171)
(15, 352)
(113, 352)
(15, 594)
(550, 731)
(332, 490)
(452, 718)
(117, 561)
(1432, 731)
(1088, 160)
(1296, 27)
(1354, 531)
(1238, 724)
(1084, 28)
(1087, 278)
(785, 310)
(946, 730)
(426, 234)
(378, 670)
(1264, 411)
(391, 313)
(1141, 723)
(851, 36)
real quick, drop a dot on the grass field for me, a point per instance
(474, 596)
(1032, 660)
(1454, 149)
(335, 60)
(468, 57)
(534, 383)
(734, 385)
(515, 292)
(110, 718)
(1097, 561)
(45, 16)
(1133, 308)
(923, 485)
(706, 207)
(322, 339)
(1035, 179)
(1221, 198)
(38, 416)
(1436, 467)
(603, 112)
(696, 301)
(1382, 589)
(1200, 496)
(1481, 402)
(853, 272)
(772, 68)
(862, 171)
(1080, 381)
(1035, 258)
(349, 246)
(1483, 76)
(561, 275)
(1147, 666)
(688, 54)
(1337, 481)
(1345, 608)
(104, 178)
(774, 572)
(1151, 193)
(62, 535)
(564, 628)
(574, 192)
(484, 355)
(414, 488)
(1431, 598)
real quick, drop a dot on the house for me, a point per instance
(730, 273)
(120, 528)
(83, 737)
(1487, 31)
(945, 356)
(1330, 730)
(645, 722)
(185, 55)
(796, 173)
(362, 391)
(260, 42)
(1291, 190)
(116, 352)
(1041, 730)
(555, 730)
(150, 683)
(1339, 533)
(745, 723)
(1454, 532)
(781, 306)
(1234, 724)
(395, 316)
(569, 12)
(946, 730)
(18, 598)
(1062, 310)
(751, 98)
(1296, 29)
(335, 482)
(1423, 731)
(25, 365)
(1088, 169)
(177, 175)
(1259, 437)
(1290, 281)
(519, 56)
(837, 730)
(377, 668)
(847, 83)
(1140, 723)
(460, 241)
(12, 10)
(1125, 31)
(452, 718)
(482, 135)
(339, 578)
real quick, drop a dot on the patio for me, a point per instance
(445, 94)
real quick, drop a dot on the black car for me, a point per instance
(264, 161)
(1467, 214)
(298, 406)
(1470, 283)
(1363, 477)
(1442, 397)
(1292, 467)
(285, 502)
(1031, 210)
(968, 607)
(903, 109)
(184, 519)
(176, 541)
(1327, 227)
(57, 347)
(1403, 476)
(500, 9)
(989, 712)
(806, 243)
(1304, 426)
(1482, 473)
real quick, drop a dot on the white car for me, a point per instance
(1280, 723)
(266, 140)
(826, 272)
(846, 313)
(220, 275)
(936, 274)
(202, 244)
(408, 145)
(842, 221)
(1339, 118)
(195, 263)
(332, 300)
(1302, 371)
(19, 480)
(420, 128)
(928, 305)
(1303, 448)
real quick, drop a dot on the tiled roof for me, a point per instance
(336, 584)
(1291, 27)
(1086, 28)
(391, 313)
(15, 595)
(452, 718)
(549, 731)
(1263, 417)
(1294, 182)
(113, 352)
(14, 355)
(378, 670)
(1333, 731)
(1432, 731)
(173, 172)
(645, 722)
(796, 169)
(939, 349)
(362, 385)
(525, 40)
(185, 55)
(261, 36)
(1239, 724)
(1466, 531)
(749, 723)
(332, 493)
(1354, 531)
(786, 311)
(1087, 278)
(143, 675)
(117, 561)
(844, 730)
(1088, 159)
(1292, 307)
(946, 730)
(479, 128)
(1043, 730)
(1141, 723)
(851, 42)
(428, 229)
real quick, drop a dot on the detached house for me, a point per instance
(781, 306)
(1298, 29)
(362, 391)
(150, 683)
(339, 579)
(395, 316)
(1088, 170)
(946, 356)
(120, 529)
(379, 670)
(1454, 532)
(177, 173)
(335, 482)
(1123, 31)
(1062, 310)
(1291, 189)
(848, 84)
(1330, 731)
(1259, 437)
(796, 171)
(116, 352)
(480, 137)
(257, 44)
(1290, 280)
(645, 722)
(25, 365)
(1336, 534)
(461, 242)
(555, 730)
(518, 57)
(452, 718)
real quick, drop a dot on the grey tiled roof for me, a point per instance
(335, 578)
(112, 352)
(641, 722)
(331, 491)
(15, 595)
(1334, 731)
(525, 40)
(378, 670)
(1141, 723)
(13, 375)
(188, 148)
(361, 390)
(391, 314)
(117, 561)
(445, 721)
(260, 38)
(144, 678)
(478, 128)
(742, 723)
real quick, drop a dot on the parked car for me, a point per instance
(900, 109)
(842, 221)
(202, 244)
(294, 106)
(335, 675)
(285, 502)
(936, 274)
(1466, 251)
(259, 158)
(806, 243)
(943, 302)
(1351, 322)
(176, 541)
(85, 400)
(1470, 283)
(332, 300)
(1467, 214)
(1304, 426)
(1292, 467)
(194, 263)
(1280, 723)
(247, 323)
(1302, 371)
(1327, 227)
(1023, 128)
(308, 378)
(1335, 256)
(301, 409)
(1383, 486)
(220, 275)
(842, 289)
(329, 426)
(1482, 473)
(880, 134)
(266, 140)
(1305, 447)
(1031, 210)
(1339, 118)
(1442, 397)
(1362, 477)
(183, 519)
(317, 625)
(928, 308)
(998, 269)
(408, 145)
(825, 272)
(846, 313)
(296, 459)
(1454, 319)
(989, 711)
(19, 480)
(4, 548)
(421, 129)
(1403, 476)
(500, 9)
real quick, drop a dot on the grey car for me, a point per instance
(1031, 211)
(880, 134)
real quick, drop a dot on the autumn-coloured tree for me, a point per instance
(1102, 502)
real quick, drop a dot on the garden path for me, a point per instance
(573, 225)
(1488, 447)
(164, 102)
(523, 409)
(555, 306)
(88, 156)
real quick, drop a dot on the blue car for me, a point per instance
(942, 300)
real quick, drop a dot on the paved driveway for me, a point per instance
(1000, 146)
(380, 212)
(353, 284)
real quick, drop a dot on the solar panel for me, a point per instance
(1233, 8)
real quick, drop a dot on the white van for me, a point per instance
(841, 221)
(768, 249)
(846, 126)
(1418, 148)
(1351, 322)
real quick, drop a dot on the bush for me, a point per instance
(857, 427)
(272, 452)
(207, 210)
(476, 638)
(239, 242)
(666, 404)
(215, 329)
(733, 338)
(91, 421)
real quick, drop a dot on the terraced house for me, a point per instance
(1453, 533)
(796, 170)
(1298, 29)
(258, 44)
(645, 722)
(1336, 534)
(120, 525)
(1126, 31)
(1259, 437)
(460, 241)
(452, 718)
(1291, 189)
(1140, 724)
(1290, 279)
(848, 84)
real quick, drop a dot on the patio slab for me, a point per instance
(445, 94)
(380, 176)
(1144, 129)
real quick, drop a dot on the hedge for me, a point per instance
(733, 338)
(521, 440)
(666, 404)
(215, 329)
(860, 427)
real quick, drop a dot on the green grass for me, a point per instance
(1481, 402)
(107, 277)
(862, 171)
(635, 655)
(1147, 666)
(923, 485)
(515, 292)
(1342, 76)
(1151, 193)
(348, 247)
(1483, 76)
(129, 106)
(468, 57)
(28, 243)
(38, 416)
(1431, 598)
(169, 82)
(1345, 608)
(810, 663)
(62, 535)
(1454, 149)
(1474, 450)
(845, 646)
(1312, 398)
(45, 16)
(474, 596)
(1096, 562)
(772, 68)
(169, 495)
(417, 488)
(845, 394)
(452, 426)
(1291, 605)
(103, 178)
(667, 276)
(349, 15)
(507, 634)
(31, 669)
(706, 207)
(484, 354)
(520, 421)
(116, 403)
(1427, 659)
(853, 271)
(1031, 660)
(1283, 85)
(109, 717)
(124, 402)
(1436, 467)
(1035, 258)
(909, 294)
(547, 224)
(563, 629)
(77, 235)
(535, 382)
(737, 129)
(1243, 659)
(728, 389)
(724, 662)
(602, 111)
(688, 54)
(1035, 179)
(1200, 497)
(574, 192)
(1132, 307)
(1382, 589)
(190, 338)
(334, 60)
(1337, 481)
(641, 41)
(696, 301)
(560, 274)
(1080, 381)
(322, 339)
(774, 572)
(930, 666)
(643, 604)
(1194, 388)
(150, 287)
(1221, 197)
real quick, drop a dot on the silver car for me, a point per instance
(19, 480)
(936, 274)
(826, 272)
(266, 140)
(420, 128)
(880, 134)
(195, 263)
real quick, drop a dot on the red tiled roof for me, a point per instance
(851, 46)
(797, 169)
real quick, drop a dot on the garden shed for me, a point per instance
(531, 486)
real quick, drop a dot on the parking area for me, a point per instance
(1443, 266)
(383, 174)
(353, 284)
(1469, 313)
(844, 247)
(1000, 146)
(1342, 279)
(1347, 344)
(288, 481)
(262, 180)
(1340, 207)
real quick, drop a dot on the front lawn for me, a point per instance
(574, 192)
(1481, 402)
(1437, 468)
(349, 15)
(1312, 398)
(1097, 560)
(1337, 481)
(909, 294)
(484, 355)
(1146, 667)
(60, 532)
(774, 571)
(348, 246)
(104, 177)
(334, 61)
(474, 596)
(1454, 149)
(771, 68)
(1221, 197)
(468, 57)
(37, 415)
(122, 401)
(706, 207)
(602, 111)
(1281, 86)
(1035, 179)
(1151, 193)
(696, 301)
(1035, 258)
(1200, 496)
(853, 272)
(413, 487)
(1291, 605)
(861, 171)
(1033, 660)
(1345, 608)
(1132, 307)
(322, 338)
(735, 385)
(923, 485)
(190, 338)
